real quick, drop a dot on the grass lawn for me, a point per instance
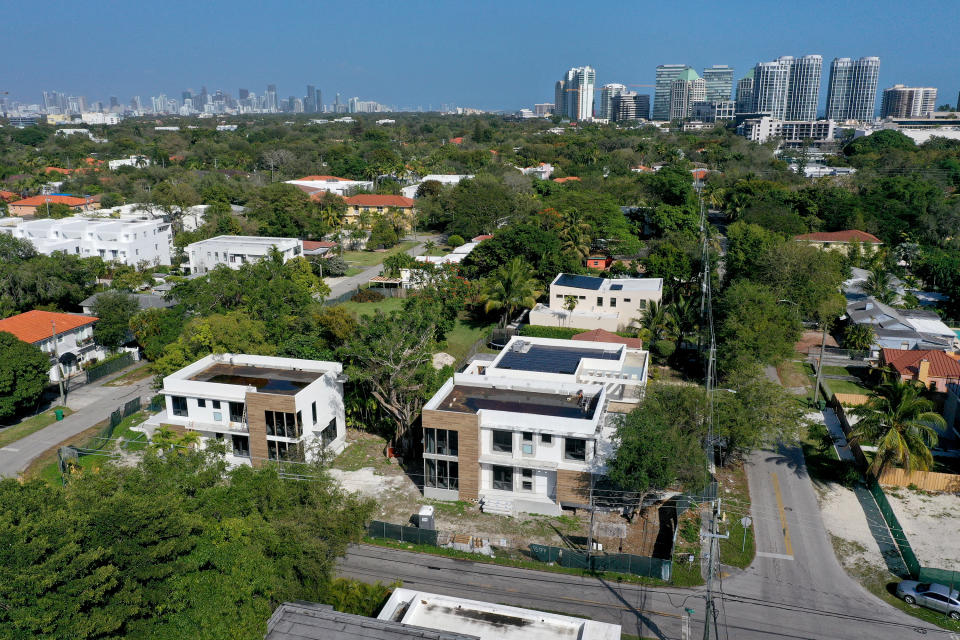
(794, 374)
(369, 308)
(738, 549)
(371, 258)
(131, 376)
(352, 271)
(29, 425)
(464, 333)
(846, 386)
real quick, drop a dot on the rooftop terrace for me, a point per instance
(266, 379)
(471, 399)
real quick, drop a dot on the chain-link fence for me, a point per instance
(906, 551)
(399, 532)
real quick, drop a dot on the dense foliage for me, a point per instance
(24, 373)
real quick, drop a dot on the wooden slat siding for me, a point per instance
(257, 404)
(851, 399)
(573, 486)
(926, 480)
(467, 426)
(178, 429)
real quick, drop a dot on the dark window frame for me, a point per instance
(179, 404)
(575, 449)
(501, 447)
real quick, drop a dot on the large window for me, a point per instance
(237, 412)
(575, 449)
(503, 441)
(179, 406)
(283, 451)
(241, 446)
(441, 474)
(442, 442)
(329, 433)
(283, 424)
(503, 478)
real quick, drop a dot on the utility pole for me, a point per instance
(714, 536)
(56, 355)
(823, 344)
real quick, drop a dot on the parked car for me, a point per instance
(931, 595)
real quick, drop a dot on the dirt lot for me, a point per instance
(363, 468)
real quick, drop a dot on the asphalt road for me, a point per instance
(341, 286)
(794, 589)
(91, 404)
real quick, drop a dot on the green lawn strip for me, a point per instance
(131, 376)
(30, 425)
(366, 452)
(738, 548)
(370, 308)
(463, 335)
(512, 562)
(352, 271)
(371, 258)
(846, 386)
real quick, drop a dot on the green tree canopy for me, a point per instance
(114, 309)
(24, 373)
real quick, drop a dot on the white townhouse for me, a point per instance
(235, 251)
(129, 242)
(261, 407)
(525, 431)
(597, 303)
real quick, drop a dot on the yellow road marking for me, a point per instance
(783, 514)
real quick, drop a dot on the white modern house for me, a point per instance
(587, 302)
(444, 179)
(66, 337)
(261, 407)
(235, 251)
(131, 161)
(130, 242)
(525, 431)
(331, 184)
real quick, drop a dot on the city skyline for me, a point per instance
(289, 54)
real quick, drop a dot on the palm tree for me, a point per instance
(858, 337)
(686, 316)
(879, 284)
(575, 234)
(429, 246)
(658, 321)
(898, 420)
(510, 287)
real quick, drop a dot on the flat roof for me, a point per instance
(580, 282)
(274, 380)
(248, 240)
(551, 359)
(593, 283)
(471, 399)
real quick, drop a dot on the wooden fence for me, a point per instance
(851, 399)
(926, 480)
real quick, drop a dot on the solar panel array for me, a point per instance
(580, 282)
(547, 359)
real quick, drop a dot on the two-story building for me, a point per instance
(261, 407)
(236, 251)
(129, 242)
(586, 302)
(526, 431)
(935, 370)
(370, 204)
(66, 337)
(29, 206)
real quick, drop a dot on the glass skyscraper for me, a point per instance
(803, 91)
(666, 74)
(852, 92)
(719, 80)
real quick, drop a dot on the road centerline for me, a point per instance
(783, 514)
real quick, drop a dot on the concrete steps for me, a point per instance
(499, 507)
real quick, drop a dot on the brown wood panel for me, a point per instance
(926, 480)
(467, 426)
(573, 487)
(257, 405)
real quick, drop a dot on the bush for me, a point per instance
(367, 295)
(537, 331)
(332, 267)
(455, 241)
(664, 348)
(382, 235)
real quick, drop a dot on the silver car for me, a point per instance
(931, 595)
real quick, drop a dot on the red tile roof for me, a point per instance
(907, 363)
(313, 245)
(324, 179)
(374, 200)
(65, 172)
(8, 195)
(840, 236)
(699, 174)
(456, 140)
(34, 326)
(39, 201)
(601, 335)
(481, 238)
(567, 179)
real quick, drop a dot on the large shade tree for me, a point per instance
(24, 372)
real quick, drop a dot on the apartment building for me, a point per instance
(29, 206)
(260, 407)
(66, 337)
(129, 242)
(525, 431)
(236, 251)
(587, 302)
(792, 132)
(370, 204)
(908, 102)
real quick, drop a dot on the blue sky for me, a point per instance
(493, 55)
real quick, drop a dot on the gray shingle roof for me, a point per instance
(312, 621)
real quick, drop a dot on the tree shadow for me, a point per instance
(881, 534)
(790, 457)
(641, 619)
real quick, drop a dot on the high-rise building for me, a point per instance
(852, 90)
(686, 89)
(573, 95)
(543, 109)
(907, 102)
(770, 80)
(803, 88)
(271, 103)
(744, 97)
(630, 105)
(666, 74)
(114, 103)
(719, 81)
(607, 93)
(243, 94)
(309, 101)
(318, 101)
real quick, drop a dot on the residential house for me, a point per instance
(317, 185)
(8, 196)
(410, 614)
(543, 171)
(566, 179)
(130, 242)
(29, 206)
(368, 205)
(841, 240)
(600, 261)
(444, 179)
(235, 251)
(260, 407)
(322, 248)
(936, 370)
(598, 303)
(66, 337)
(525, 431)
(144, 301)
(901, 328)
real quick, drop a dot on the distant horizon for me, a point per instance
(501, 57)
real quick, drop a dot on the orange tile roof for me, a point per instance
(34, 326)
(313, 245)
(39, 201)
(65, 172)
(8, 195)
(567, 179)
(699, 174)
(374, 200)
(324, 179)
(601, 335)
(907, 363)
(481, 238)
(841, 236)
(456, 140)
